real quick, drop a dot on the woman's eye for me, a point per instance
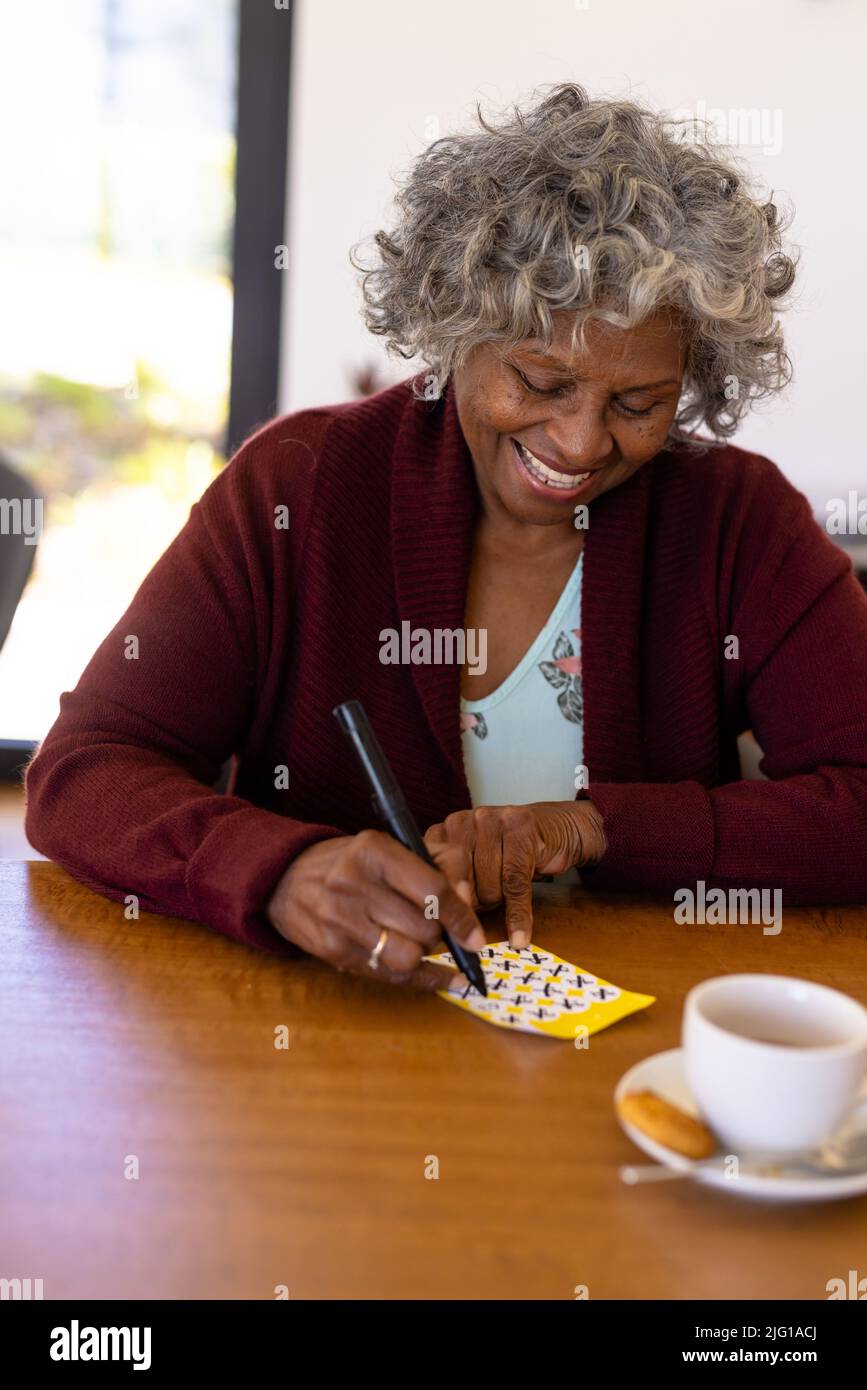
(630, 410)
(540, 390)
(561, 390)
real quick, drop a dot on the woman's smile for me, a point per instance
(545, 481)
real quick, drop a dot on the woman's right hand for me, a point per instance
(337, 895)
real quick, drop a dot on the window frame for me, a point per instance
(262, 131)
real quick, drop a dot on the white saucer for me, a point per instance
(664, 1074)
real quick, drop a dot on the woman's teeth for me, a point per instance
(543, 474)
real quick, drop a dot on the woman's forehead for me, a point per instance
(660, 336)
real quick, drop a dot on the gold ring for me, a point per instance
(373, 958)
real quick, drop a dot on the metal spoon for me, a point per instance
(845, 1153)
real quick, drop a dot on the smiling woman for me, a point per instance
(584, 288)
(609, 412)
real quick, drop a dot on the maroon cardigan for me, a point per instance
(249, 634)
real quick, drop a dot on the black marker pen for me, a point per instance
(391, 806)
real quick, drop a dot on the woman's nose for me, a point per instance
(581, 438)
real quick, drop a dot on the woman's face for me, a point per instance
(550, 430)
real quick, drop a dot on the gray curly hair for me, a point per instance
(604, 208)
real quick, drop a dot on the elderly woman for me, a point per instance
(558, 606)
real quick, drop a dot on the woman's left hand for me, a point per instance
(509, 846)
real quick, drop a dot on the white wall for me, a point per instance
(372, 81)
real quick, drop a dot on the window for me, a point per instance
(118, 258)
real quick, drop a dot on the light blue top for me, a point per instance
(525, 741)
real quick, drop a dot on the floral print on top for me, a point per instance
(474, 723)
(564, 673)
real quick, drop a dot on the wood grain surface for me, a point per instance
(305, 1167)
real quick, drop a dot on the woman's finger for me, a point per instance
(488, 856)
(435, 835)
(382, 907)
(456, 863)
(382, 859)
(457, 830)
(350, 938)
(519, 866)
(425, 976)
(429, 977)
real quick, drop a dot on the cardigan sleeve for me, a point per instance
(120, 792)
(801, 619)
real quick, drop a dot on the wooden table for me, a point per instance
(305, 1167)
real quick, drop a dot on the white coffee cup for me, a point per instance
(774, 1063)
